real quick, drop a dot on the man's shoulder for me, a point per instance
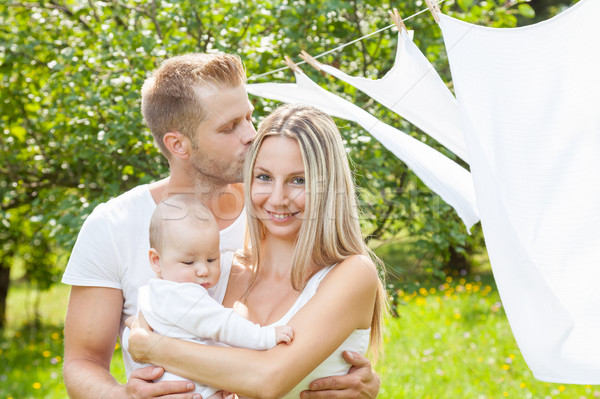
(135, 201)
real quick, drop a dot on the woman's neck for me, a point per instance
(276, 257)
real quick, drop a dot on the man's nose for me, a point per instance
(248, 132)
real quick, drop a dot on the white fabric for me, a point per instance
(335, 364)
(112, 250)
(529, 100)
(415, 91)
(186, 311)
(442, 175)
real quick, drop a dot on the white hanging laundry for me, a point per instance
(414, 90)
(529, 101)
(442, 175)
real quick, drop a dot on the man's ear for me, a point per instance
(155, 261)
(177, 144)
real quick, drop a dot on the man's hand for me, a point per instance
(360, 382)
(140, 386)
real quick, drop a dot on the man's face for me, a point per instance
(222, 139)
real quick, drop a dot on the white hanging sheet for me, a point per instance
(529, 101)
(414, 90)
(442, 175)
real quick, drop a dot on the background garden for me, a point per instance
(72, 137)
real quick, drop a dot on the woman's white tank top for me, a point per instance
(335, 364)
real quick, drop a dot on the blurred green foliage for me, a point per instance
(71, 133)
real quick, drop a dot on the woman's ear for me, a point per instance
(155, 262)
(177, 144)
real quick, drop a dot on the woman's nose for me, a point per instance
(279, 195)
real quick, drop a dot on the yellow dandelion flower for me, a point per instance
(457, 316)
(37, 385)
(511, 356)
(432, 290)
(423, 291)
(504, 393)
(462, 281)
(468, 286)
(505, 366)
(448, 279)
(522, 385)
(46, 353)
(561, 388)
(55, 336)
(480, 359)
(58, 358)
(476, 288)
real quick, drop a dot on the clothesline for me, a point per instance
(341, 46)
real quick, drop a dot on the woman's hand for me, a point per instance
(141, 338)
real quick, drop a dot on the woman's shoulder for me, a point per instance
(358, 263)
(240, 277)
(240, 271)
(355, 269)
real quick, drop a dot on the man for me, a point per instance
(198, 111)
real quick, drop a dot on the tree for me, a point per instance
(72, 134)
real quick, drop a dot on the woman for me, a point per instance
(306, 265)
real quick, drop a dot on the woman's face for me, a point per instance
(277, 191)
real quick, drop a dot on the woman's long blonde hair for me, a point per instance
(330, 231)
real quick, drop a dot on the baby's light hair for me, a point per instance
(174, 210)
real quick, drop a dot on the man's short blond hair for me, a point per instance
(171, 96)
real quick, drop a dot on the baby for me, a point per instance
(184, 254)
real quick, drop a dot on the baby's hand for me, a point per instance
(284, 334)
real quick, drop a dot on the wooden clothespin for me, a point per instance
(292, 65)
(397, 20)
(435, 10)
(310, 60)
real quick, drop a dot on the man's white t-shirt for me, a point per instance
(112, 250)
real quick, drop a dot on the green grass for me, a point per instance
(31, 347)
(451, 340)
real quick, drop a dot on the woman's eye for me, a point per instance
(263, 177)
(211, 260)
(298, 180)
(188, 263)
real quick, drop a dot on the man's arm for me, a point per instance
(360, 382)
(91, 329)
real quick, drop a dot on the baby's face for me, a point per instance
(191, 255)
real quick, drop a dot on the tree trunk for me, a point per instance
(4, 283)
(458, 262)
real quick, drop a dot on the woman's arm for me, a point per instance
(344, 302)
